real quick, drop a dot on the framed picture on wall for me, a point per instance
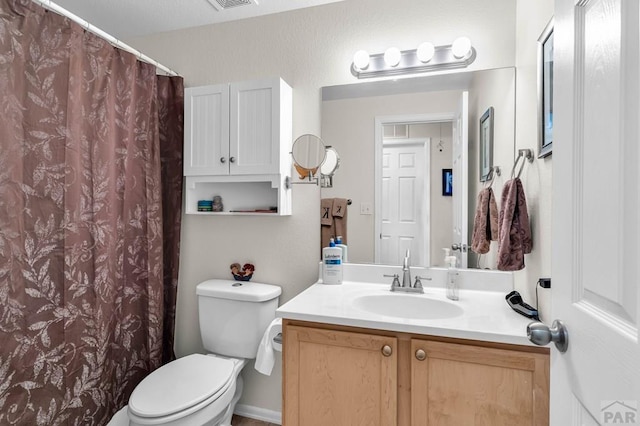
(545, 91)
(447, 182)
(486, 145)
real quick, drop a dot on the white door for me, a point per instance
(404, 215)
(460, 180)
(596, 219)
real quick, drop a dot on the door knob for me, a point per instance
(459, 247)
(386, 350)
(421, 355)
(542, 335)
(232, 159)
(222, 159)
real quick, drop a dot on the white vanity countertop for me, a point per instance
(486, 314)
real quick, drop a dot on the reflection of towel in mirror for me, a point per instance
(333, 220)
(326, 222)
(514, 239)
(339, 213)
(485, 223)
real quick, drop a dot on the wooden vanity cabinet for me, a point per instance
(336, 375)
(456, 384)
(339, 378)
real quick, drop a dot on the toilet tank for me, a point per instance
(234, 315)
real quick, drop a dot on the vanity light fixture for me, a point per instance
(461, 47)
(392, 56)
(427, 57)
(361, 59)
(425, 52)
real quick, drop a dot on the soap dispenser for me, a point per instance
(452, 274)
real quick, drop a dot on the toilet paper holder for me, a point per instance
(278, 338)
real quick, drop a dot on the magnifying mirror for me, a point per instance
(329, 167)
(331, 162)
(308, 154)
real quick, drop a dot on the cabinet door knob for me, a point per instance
(386, 350)
(421, 355)
(222, 159)
(232, 159)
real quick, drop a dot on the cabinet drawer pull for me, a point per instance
(222, 159)
(386, 350)
(232, 159)
(421, 355)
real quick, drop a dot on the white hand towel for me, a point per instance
(266, 357)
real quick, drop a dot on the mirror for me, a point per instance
(416, 112)
(308, 154)
(329, 167)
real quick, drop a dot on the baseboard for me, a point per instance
(258, 413)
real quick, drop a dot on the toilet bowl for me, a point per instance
(201, 389)
(190, 391)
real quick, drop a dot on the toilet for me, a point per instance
(204, 389)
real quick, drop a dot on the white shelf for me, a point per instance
(249, 192)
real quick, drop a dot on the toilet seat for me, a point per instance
(182, 387)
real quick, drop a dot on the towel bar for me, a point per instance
(526, 155)
(278, 338)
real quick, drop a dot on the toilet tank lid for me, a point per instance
(245, 291)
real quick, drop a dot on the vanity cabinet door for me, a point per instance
(339, 378)
(454, 385)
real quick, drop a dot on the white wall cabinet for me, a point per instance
(237, 145)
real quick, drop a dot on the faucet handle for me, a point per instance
(396, 280)
(418, 283)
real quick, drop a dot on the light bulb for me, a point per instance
(392, 56)
(425, 52)
(461, 47)
(361, 59)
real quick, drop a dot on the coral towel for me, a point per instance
(485, 223)
(514, 239)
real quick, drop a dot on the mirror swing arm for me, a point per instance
(311, 181)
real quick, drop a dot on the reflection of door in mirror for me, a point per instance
(410, 210)
(460, 150)
(404, 212)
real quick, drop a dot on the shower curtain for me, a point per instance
(90, 207)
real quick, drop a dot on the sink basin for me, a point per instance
(407, 306)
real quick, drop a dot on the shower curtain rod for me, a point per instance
(108, 37)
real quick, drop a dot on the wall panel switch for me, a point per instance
(366, 208)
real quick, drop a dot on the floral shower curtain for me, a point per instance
(90, 206)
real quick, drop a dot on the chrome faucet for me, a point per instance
(406, 270)
(406, 278)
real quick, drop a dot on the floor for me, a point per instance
(243, 421)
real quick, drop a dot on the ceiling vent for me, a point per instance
(221, 5)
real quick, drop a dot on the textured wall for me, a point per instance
(309, 48)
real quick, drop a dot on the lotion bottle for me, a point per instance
(452, 275)
(345, 257)
(332, 264)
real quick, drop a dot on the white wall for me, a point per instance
(309, 48)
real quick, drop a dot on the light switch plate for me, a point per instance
(366, 208)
